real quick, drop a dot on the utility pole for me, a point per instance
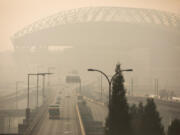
(37, 100)
(129, 88)
(16, 96)
(9, 123)
(101, 86)
(28, 92)
(43, 87)
(156, 87)
(80, 86)
(43, 83)
(132, 90)
(37, 74)
(28, 109)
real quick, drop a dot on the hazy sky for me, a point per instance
(15, 14)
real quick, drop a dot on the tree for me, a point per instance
(151, 121)
(118, 121)
(136, 118)
(174, 128)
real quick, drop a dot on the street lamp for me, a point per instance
(43, 88)
(108, 79)
(34, 74)
(28, 109)
(28, 89)
(37, 100)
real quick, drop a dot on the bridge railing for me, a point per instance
(90, 125)
(80, 121)
(31, 124)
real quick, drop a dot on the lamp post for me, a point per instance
(37, 100)
(28, 109)
(43, 83)
(34, 74)
(109, 79)
(101, 85)
(80, 86)
(132, 86)
(28, 87)
(43, 86)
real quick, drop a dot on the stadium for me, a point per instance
(146, 40)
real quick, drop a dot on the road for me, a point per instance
(168, 110)
(68, 123)
(99, 112)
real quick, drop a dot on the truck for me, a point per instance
(54, 111)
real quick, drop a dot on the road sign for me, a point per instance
(73, 79)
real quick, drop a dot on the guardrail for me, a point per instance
(36, 116)
(11, 98)
(80, 121)
(91, 126)
(94, 101)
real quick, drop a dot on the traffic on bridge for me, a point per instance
(90, 67)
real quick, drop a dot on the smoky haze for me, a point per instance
(68, 37)
(151, 51)
(18, 13)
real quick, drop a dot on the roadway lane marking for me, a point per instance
(80, 121)
(68, 132)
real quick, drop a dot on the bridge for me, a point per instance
(12, 113)
(89, 29)
(76, 117)
(168, 110)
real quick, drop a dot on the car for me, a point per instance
(54, 111)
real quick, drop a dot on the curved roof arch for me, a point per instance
(98, 15)
(106, 14)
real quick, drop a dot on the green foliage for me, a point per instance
(174, 128)
(134, 120)
(146, 119)
(151, 120)
(118, 121)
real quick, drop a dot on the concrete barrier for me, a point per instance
(94, 101)
(80, 121)
(35, 118)
(91, 126)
